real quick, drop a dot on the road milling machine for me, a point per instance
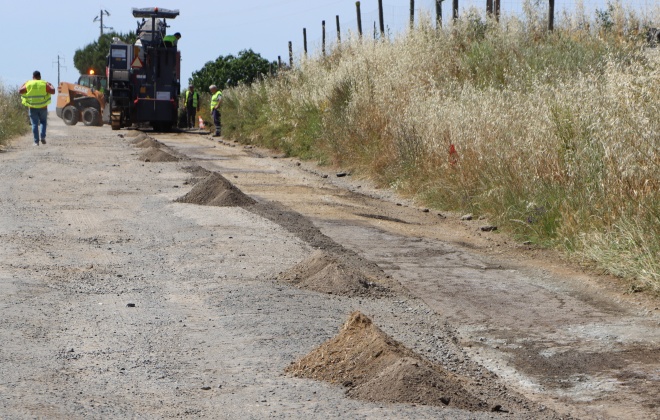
(144, 78)
(83, 101)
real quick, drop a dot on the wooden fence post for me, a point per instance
(454, 11)
(338, 30)
(497, 10)
(290, 54)
(551, 15)
(489, 8)
(359, 18)
(305, 40)
(380, 19)
(279, 62)
(412, 14)
(438, 13)
(323, 37)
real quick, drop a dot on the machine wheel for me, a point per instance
(115, 120)
(91, 116)
(70, 115)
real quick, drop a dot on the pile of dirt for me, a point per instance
(197, 174)
(154, 154)
(375, 367)
(328, 273)
(215, 190)
(131, 133)
(144, 141)
(156, 151)
(197, 171)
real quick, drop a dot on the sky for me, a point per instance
(39, 35)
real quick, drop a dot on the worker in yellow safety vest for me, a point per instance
(192, 105)
(35, 95)
(216, 102)
(171, 40)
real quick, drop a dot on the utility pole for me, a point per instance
(58, 67)
(99, 18)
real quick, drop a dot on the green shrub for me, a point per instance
(13, 115)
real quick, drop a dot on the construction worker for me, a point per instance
(216, 102)
(171, 40)
(35, 95)
(192, 105)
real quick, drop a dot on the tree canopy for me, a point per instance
(94, 56)
(229, 71)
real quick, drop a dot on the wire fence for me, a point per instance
(397, 17)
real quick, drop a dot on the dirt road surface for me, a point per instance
(129, 291)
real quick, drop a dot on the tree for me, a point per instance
(94, 56)
(229, 71)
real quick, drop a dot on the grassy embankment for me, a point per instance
(557, 135)
(13, 116)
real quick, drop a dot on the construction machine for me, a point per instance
(143, 78)
(83, 101)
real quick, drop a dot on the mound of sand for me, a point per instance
(154, 154)
(376, 367)
(197, 171)
(215, 190)
(145, 142)
(327, 273)
(197, 174)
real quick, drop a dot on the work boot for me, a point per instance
(43, 141)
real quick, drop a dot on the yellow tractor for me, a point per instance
(83, 101)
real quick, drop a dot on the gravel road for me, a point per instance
(118, 301)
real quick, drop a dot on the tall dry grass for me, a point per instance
(557, 135)
(13, 115)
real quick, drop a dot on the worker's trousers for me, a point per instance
(216, 121)
(190, 117)
(38, 116)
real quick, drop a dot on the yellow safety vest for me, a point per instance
(215, 99)
(171, 39)
(36, 96)
(195, 98)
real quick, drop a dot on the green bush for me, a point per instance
(13, 115)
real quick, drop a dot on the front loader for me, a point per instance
(83, 101)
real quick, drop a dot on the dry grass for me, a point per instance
(13, 115)
(556, 134)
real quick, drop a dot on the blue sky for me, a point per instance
(36, 33)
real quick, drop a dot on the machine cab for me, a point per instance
(93, 81)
